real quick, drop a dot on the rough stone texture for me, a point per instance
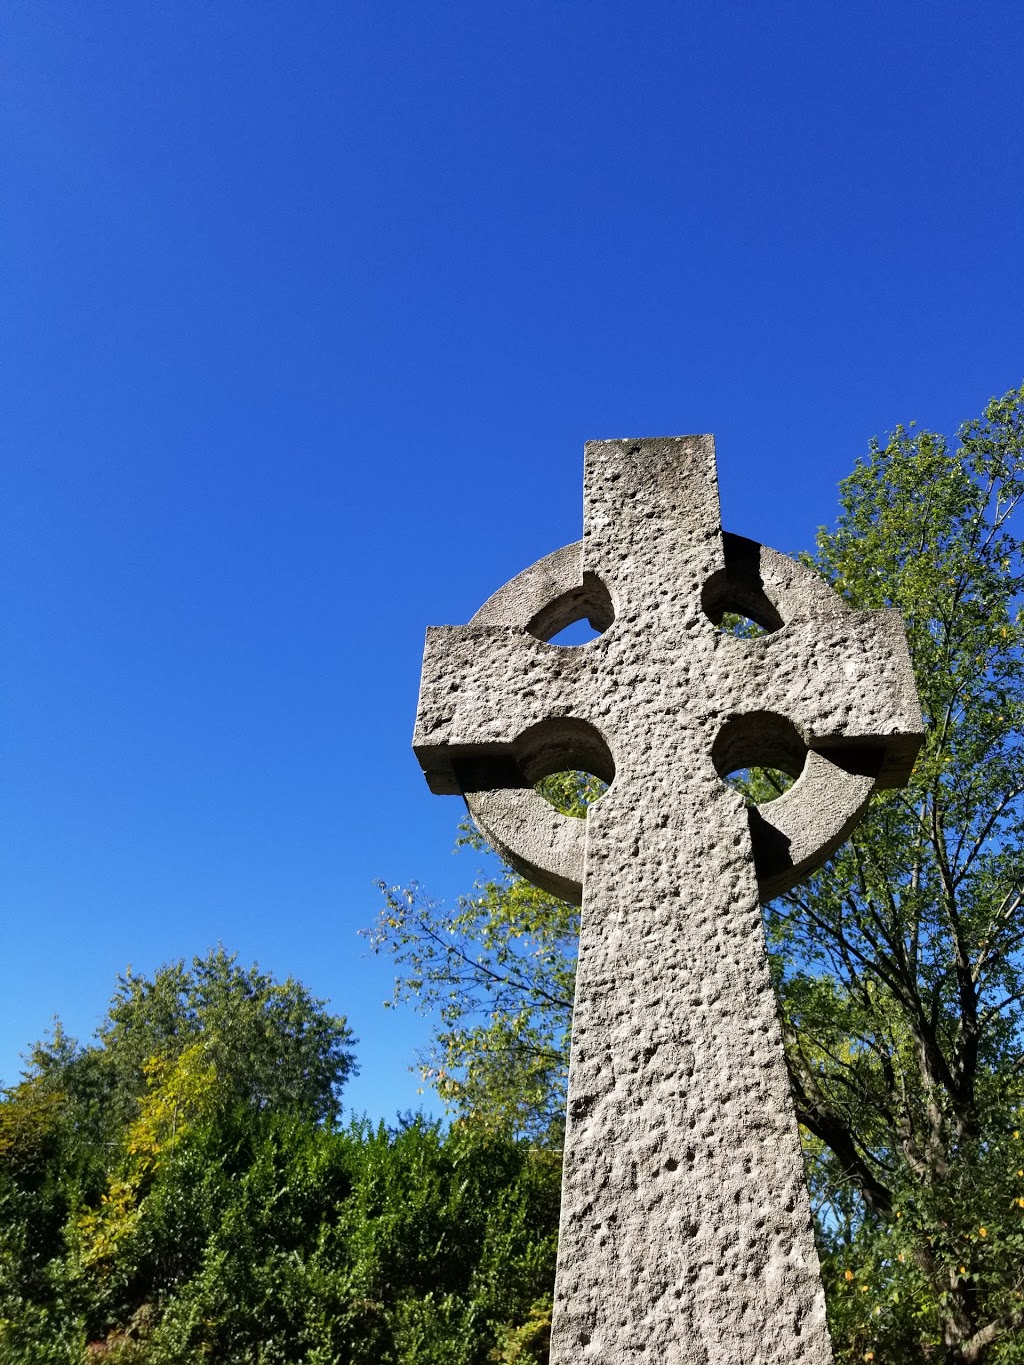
(686, 1232)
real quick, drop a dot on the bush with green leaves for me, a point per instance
(170, 1195)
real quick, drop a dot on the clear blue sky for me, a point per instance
(307, 311)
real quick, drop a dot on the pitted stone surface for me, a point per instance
(686, 1233)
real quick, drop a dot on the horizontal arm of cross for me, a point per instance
(482, 687)
(845, 682)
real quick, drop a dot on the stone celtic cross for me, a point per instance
(686, 1230)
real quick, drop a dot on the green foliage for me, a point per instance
(899, 967)
(529, 1343)
(572, 793)
(166, 1199)
(367, 1246)
(498, 971)
(272, 1044)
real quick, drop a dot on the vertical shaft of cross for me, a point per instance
(686, 1232)
(685, 1229)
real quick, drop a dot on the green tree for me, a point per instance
(498, 971)
(273, 1044)
(95, 1140)
(167, 1200)
(898, 968)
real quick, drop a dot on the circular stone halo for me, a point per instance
(791, 835)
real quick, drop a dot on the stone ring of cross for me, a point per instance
(834, 774)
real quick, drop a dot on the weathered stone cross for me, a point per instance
(686, 1231)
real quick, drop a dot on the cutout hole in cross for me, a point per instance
(760, 785)
(572, 792)
(759, 754)
(743, 627)
(567, 761)
(575, 617)
(734, 598)
(576, 633)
